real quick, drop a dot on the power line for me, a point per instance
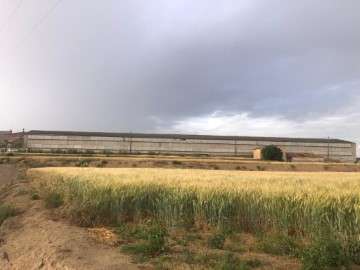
(30, 32)
(11, 15)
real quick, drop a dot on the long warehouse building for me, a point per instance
(241, 146)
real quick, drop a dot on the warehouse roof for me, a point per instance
(184, 136)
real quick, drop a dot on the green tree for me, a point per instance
(272, 152)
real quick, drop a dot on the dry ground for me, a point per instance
(34, 239)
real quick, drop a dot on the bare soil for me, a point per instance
(37, 239)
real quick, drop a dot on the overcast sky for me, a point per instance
(263, 68)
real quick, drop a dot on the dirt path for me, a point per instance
(7, 175)
(36, 240)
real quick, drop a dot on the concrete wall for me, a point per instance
(3, 137)
(345, 152)
(257, 153)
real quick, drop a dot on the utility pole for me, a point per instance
(235, 148)
(23, 138)
(328, 154)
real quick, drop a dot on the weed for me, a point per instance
(6, 211)
(154, 246)
(102, 163)
(230, 262)
(160, 162)
(82, 163)
(156, 237)
(73, 151)
(329, 252)
(176, 162)
(225, 261)
(10, 154)
(107, 153)
(53, 199)
(130, 232)
(255, 263)
(278, 244)
(189, 257)
(216, 240)
(215, 167)
(34, 194)
(57, 151)
(139, 251)
(22, 192)
(4, 160)
(193, 236)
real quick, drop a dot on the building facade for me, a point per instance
(132, 143)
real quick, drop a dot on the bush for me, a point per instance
(72, 151)
(272, 152)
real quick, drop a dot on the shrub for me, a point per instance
(73, 151)
(272, 152)
(107, 153)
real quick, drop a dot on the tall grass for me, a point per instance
(305, 204)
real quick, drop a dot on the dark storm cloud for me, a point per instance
(133, 65)
(283, 63)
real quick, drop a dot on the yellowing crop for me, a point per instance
(307, 204)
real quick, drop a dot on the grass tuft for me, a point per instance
(6, 211)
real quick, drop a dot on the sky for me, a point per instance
(283, 68)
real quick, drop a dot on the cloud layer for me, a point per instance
(279, 68)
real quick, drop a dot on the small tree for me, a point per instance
(272, 152)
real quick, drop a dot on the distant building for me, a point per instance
(305, 157)
(239, 146)
(4, 136)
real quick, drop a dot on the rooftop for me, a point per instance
(184, 136)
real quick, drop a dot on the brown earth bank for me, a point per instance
(212, 163)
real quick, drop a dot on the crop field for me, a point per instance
(298, 205)
(307, 203)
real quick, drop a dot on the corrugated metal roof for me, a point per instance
(184, 136)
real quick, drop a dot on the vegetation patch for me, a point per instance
(6, 211)
(176, 162)
(272, 152)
